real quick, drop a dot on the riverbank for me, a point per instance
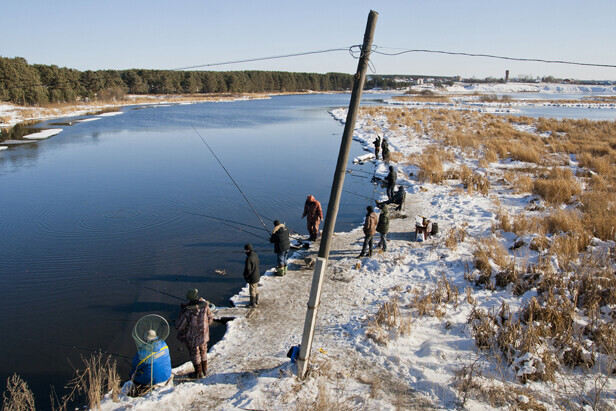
(418, 326)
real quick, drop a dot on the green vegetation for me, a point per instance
(25, 84)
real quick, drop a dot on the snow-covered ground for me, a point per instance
(356, 361)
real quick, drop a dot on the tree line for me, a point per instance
(35, 84)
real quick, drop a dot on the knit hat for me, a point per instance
(276, 223)
(370, 209)
(192, 294)
(150, 336)
(248, 247)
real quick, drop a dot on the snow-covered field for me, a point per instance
(372, 349)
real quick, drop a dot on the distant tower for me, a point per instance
(506, 76)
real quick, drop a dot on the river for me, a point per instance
(97, 217)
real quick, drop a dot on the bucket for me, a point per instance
(434, 229)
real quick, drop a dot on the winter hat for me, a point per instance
(276, 223)
(248, 247)
(370, 209)
(150, 336)
(192, 294)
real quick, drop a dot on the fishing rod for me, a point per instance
(289, 228)
(238, 187)
(222, 221)
(229, 221)
(140, 285)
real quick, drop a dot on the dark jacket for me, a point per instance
(251, 268)
(193, 324)
(383, 224)
(151, 365)
(399, 196)
(280, 238)
(391, 178)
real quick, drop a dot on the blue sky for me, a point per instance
(154, 34)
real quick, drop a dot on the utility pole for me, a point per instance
(334, 199)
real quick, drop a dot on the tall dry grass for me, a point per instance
(17, 396)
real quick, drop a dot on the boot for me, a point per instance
(252, 302)
(256, 301)
(198, 371)
(280, 271)
(284, 270)
(203, 368)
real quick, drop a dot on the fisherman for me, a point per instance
(382, 227)
(385, 147)
(151, 365)
(377, 145)
(399, 197)
(369, 230)
(390, 180)
(252, 275)
(193, 327)
(314, 215)
(280, 238)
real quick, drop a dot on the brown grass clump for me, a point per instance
(430, 168)
(433, 302)
(17, 396)
(98, 378)
(521, 183)
(558, 187)
(455, 236)
(564, 221)
(488, 253)
(599, 208)
(388, 317)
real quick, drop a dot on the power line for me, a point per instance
(355, 52)
(305, 53)
(454, 53)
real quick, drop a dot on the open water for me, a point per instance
(95, 217)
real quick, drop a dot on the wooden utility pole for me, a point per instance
(334, 199)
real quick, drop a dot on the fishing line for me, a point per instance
(238, 187)
(222, 221)
(229, 221)
(140, 285)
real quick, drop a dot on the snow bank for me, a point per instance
(41, 135)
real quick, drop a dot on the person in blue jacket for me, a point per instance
(151, 364)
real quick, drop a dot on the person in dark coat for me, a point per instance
(252, 275)
(314, 215)
(385, 147)
(390, 180)
(151, 365)
(193, 326)
(377, 146)
(282, 244)
(382, 227)
(399, 197)
(369, 230)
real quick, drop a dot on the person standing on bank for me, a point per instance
(382, 227)
(282, 244)
(377, 146)
(391, 183)
(385, 147)
(369, 230)
(252, 275)
(314, 215)
(193, 327)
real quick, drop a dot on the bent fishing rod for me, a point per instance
(222, 221)
(238, 187)
(141, 285)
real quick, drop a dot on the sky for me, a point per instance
(155, 34)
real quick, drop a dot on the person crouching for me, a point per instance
(193, 326)
(151, 365)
